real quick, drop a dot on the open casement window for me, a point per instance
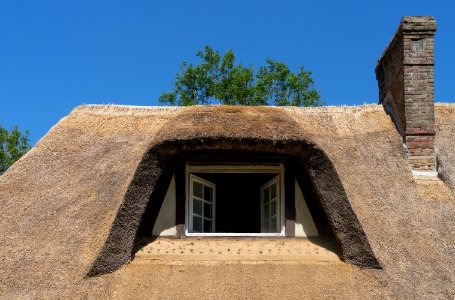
(202, 205)
(270, 206)
(233, 200)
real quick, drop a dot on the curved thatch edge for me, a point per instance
(119, 245)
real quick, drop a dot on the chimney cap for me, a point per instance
(418, 23)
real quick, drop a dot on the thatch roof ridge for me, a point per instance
(146, 110)
(121, 109)
(445, 104)
(337, 108)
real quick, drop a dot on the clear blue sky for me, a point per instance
(55, 55)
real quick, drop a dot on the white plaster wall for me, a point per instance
(304, 224)
(165, 223)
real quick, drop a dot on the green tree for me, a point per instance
(219, 78)
(13, 145)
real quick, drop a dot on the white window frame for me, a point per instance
(247, 168)
(194, 178)
(279, 209)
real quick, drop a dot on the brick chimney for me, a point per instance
(405, 74)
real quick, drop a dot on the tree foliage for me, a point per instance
(13, 145)
(219, 78)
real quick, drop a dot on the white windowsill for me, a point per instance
(215, 234)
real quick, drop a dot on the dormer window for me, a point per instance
(238, 196)
(233, 200)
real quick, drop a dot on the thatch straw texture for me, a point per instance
(59, 201)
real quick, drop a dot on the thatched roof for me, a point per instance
(60, 202)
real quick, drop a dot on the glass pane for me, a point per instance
(266, 211)
(273, 225)
(197, 189)
(197, 207)
(207, 210)
(273, 208)
(197, 224)
(266, 226)
(273, 188)
(266, 195)
(208, 193)
(207, 226)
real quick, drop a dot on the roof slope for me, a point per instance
(59, 201)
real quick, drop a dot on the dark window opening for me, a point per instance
(238, 201)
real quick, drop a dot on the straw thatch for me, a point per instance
(63, 203)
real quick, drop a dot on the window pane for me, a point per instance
(266, 211)
(273, 208)
(208, 193)
(197, 189)
(266, 195)
(197, 224)
(266, 226)
(273, 225)
(197, 207)
(207, 226)
(273, 188)
(207, 210)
